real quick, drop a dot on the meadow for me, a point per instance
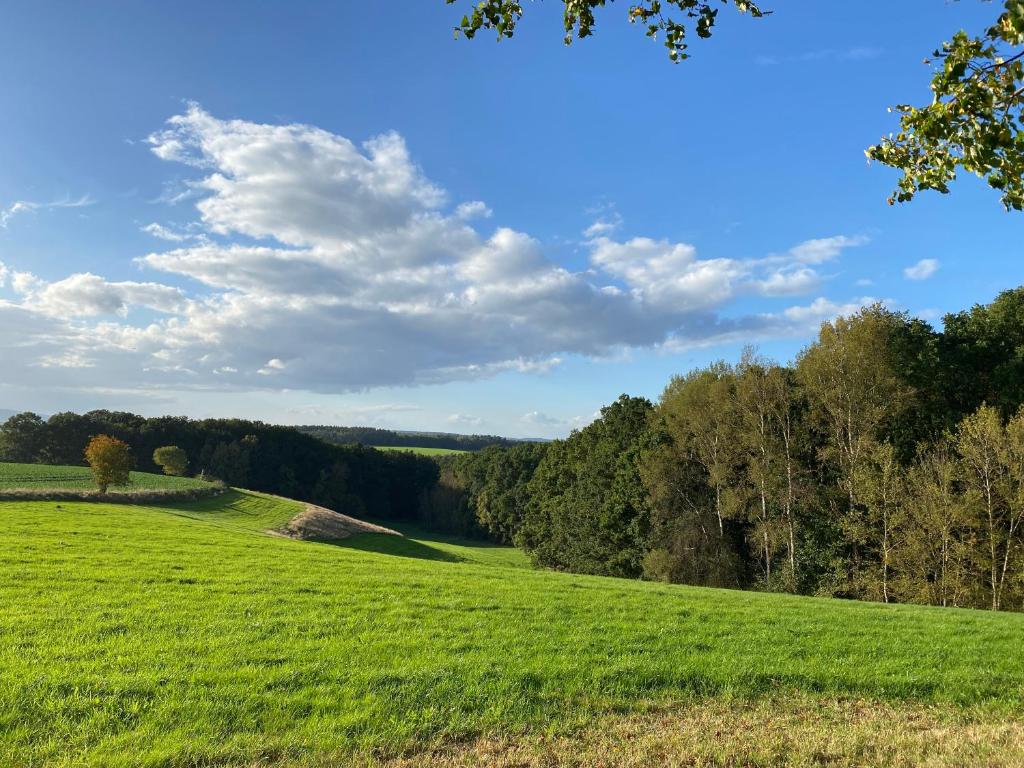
(184, 635)
(420, 450)
(45, 476)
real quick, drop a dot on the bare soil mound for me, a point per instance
(322, 524)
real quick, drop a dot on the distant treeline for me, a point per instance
(886, 463)
(359, 481)
(388, 437)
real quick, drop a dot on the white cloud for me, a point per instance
(88, 295)
(790, 282)
(163, 233)
(604, 225)
(274, 365)
(464, 420)
(922, 270)
(475, 209)
(795, 321)
(334, 268)
(4, 271)
(824, 249)
(27, 206)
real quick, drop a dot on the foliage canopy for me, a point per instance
(111, 461)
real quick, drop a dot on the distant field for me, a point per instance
(44, 476)
(423, 451)
(183, 635)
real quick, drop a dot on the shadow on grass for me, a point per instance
(396, 546)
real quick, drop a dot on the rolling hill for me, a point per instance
(184, 635)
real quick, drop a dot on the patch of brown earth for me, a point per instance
(766, 734)
(322, 524)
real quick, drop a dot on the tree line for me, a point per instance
(393, 438)
(360, 481)
(886, 463)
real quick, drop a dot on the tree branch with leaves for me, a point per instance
(974, 123)
(975, 119)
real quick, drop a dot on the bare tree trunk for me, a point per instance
(885, 553)
(1006, 553)
(789, 510)
(718, 510)
(943, 564)
(992, 544)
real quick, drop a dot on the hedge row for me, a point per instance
(150, 496)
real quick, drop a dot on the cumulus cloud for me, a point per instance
(322, 264)
(789, 282)
(88, 295)
(922, 270)
(475, 209)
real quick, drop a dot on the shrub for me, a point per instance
(172, 459)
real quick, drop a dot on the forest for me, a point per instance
(885, 463)
(402, 439)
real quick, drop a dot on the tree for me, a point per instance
(766, 401)
(700, 411)
(691, 474)
(850, 376)
(935, 537)
(172, 459)
(111, 461)
(974, 122)
(982, 352)
(22, 438)
(587, 510)
(883, 491)
(994, 457)
(499, 485)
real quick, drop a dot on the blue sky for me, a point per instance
(360, 220)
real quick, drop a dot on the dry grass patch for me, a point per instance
(321, 524)
(763, 733)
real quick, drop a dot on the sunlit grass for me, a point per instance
(184, 636)
(45, 476)
(420, 450)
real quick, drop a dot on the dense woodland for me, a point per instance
(393, 438)
(387, 485)
(886, 463)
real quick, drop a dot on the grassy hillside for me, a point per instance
(421, 451)
(184, 636)
(45, 476)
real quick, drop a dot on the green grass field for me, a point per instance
(183, 635)
(45, 476)
(422, 451)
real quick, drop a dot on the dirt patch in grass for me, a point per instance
(321, 524)
(764, 733)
